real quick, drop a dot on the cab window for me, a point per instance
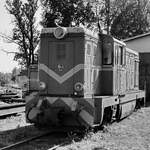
(116, 55)
(88, 54)
(122, 57)
(88, 49)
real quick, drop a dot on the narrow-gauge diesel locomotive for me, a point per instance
(84, 78)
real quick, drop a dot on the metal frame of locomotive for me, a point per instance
(84, 78)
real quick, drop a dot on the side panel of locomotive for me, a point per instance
(132, 67)
(119, 67)
(92, 63)
(113, 66)
(119, 78)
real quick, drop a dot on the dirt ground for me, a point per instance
(132, 133)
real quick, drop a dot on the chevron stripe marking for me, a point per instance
(70, 73)
(86, 117)
(52, 100)
(70, 102)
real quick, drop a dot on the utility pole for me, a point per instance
(107, 7)
(97, 10)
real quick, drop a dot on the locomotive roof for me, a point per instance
(132, 51)
(128, 49)
(93, 33)
(120, 42)
(123, 44)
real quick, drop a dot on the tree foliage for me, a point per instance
(14, 74)
(131, 20)
(5, 78)
(67, 13)
(24, 31)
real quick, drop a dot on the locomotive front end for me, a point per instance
(59, 99)
(61, 59)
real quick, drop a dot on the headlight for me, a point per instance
(78, 86)
(60, 32)
(42, 86)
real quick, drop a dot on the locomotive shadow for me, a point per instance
(16, 134)
(147, 104)
(11, 136)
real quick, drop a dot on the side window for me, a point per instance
(88, 54)
(88, 49)
(94, 54)
(107, 53)
(122, 57)
(136, 73)
(116, 54)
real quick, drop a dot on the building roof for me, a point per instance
(137, 37)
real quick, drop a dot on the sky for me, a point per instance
(6, 59)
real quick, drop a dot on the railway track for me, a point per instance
(31, 139)
(11, 98)
(24, 141)
(9, 109)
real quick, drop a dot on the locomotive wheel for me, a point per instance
(114, 113)
(111, 114)
(107, 115)
(138, 104)
(118, 113)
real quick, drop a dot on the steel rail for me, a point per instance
(55, 130)
(12, 100)
(25, 141)
(59, 145)
(11, 109)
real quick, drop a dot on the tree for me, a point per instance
(14, 74)
(67, 13)
(132, 20)
(109, 10)
(117, 13)
(25, 33)
(4, 78)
